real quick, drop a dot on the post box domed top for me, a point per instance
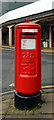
(27, 24)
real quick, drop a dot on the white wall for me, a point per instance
(33, 8)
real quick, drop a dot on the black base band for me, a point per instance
(26, 102)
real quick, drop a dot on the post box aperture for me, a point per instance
(27, 59)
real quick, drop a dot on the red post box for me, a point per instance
(27, 65)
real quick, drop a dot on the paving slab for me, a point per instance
(5, 106)
(7, 96)
(45, 108)
(29, 116)
(44, 111)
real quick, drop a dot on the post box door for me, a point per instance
(28, 54)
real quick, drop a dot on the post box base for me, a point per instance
(26, 102)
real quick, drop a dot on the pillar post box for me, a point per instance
(27, 65)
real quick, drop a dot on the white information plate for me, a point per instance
(30, 30)
(28, 43)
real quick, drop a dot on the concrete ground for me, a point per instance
(44, 110)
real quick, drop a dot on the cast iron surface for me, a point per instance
(26, 102)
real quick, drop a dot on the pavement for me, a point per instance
(49, 50)
(42, 110)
